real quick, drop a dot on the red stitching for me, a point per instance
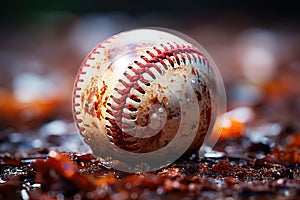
(80, 80)
(78, 121)
(80, 128)
(81, 72)
(172, 54)
(134, 98)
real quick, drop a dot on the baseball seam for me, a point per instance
(79, 79)
(153, 60)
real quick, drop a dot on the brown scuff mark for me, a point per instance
(193, 71)
(99, 102)
(93, 98)
(154, 100)
(96, 66)
(160, 88)
(87, 96)
(143, 117)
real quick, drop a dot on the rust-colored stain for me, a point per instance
(193, 71)
(99, 101)
(164, 100)
(93, 98)
(88, 95)
(162, 63)
(154, 100)
(143, 118)
(159, 87)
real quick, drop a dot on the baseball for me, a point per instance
(146, 97)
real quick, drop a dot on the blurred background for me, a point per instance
(255, 44)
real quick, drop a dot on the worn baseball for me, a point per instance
(146, 97)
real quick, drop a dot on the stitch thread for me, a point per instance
(117, 124)
(77, 88)
(167, 55)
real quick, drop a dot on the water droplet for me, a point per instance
(214, 154)
(161, 110)
(16, 137)
(286, 193)
(176, 115)
(160, 191)
(37, 143)
(24, 194)
(154, 115)
(2, 181)
(193, 80)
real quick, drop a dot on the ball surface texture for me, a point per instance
(145, 97)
